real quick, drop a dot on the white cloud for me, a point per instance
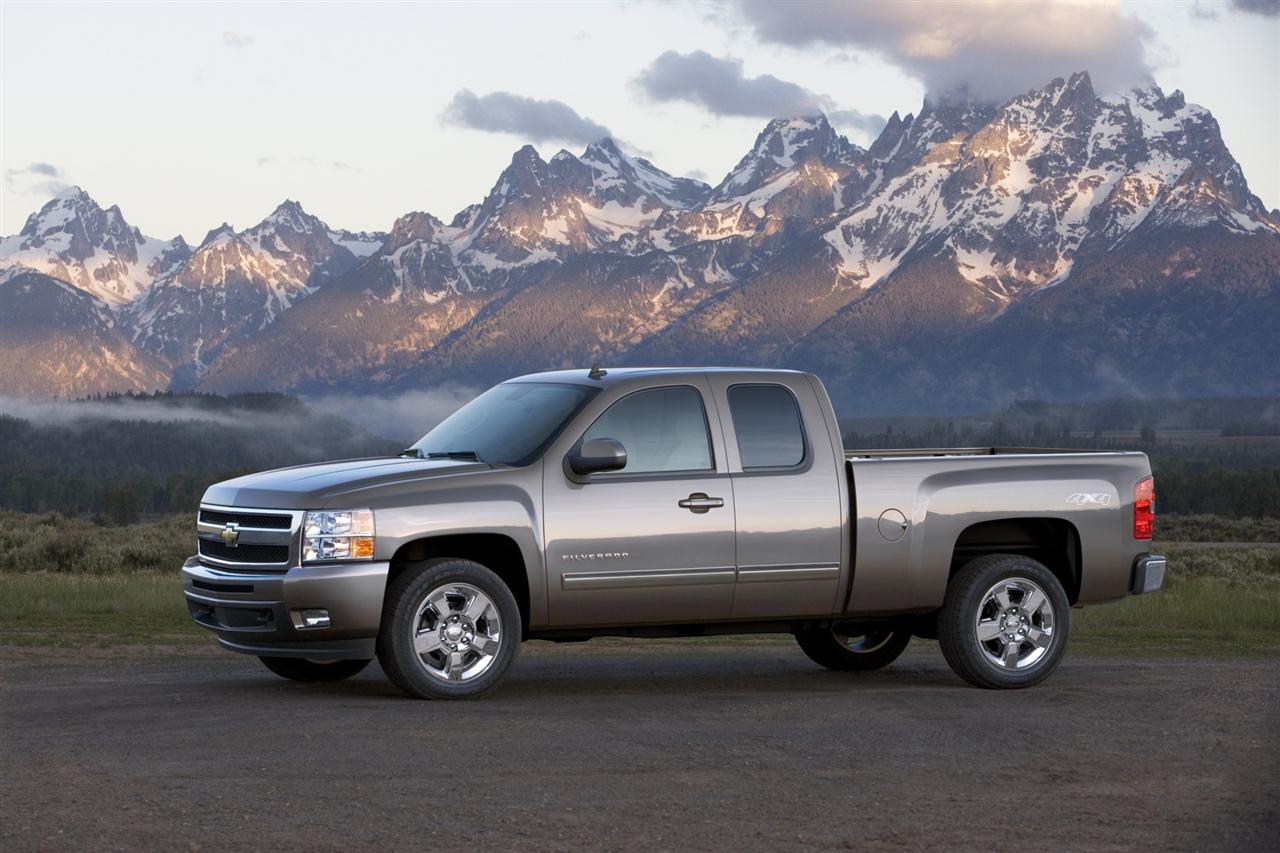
(991, 50)
(36, 179)
(720, 86)
(236, 40)
(528, 118)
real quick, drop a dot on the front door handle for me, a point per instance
(700, 502)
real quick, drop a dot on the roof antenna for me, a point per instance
(597, 372)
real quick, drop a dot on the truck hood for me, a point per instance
(317, 486)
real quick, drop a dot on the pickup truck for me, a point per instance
(665, 502)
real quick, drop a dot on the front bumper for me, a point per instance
(261, 613)
(1148, 574)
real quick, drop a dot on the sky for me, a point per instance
(189, 115)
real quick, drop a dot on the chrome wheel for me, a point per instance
(457, 632)
(1014, 625)
(861, 641)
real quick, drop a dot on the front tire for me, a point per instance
(450, 630)
(1005, 622)
(849, 648)
(300, 669)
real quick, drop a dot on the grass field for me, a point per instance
(1219, 601)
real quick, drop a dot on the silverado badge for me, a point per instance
(230, 534)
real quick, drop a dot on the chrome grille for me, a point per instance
(266, 540)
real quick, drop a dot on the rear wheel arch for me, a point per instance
(1053, 542)
(498, 553)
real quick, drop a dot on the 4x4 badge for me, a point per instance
(1090, 498)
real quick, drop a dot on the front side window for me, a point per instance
(766, 420)
(663, 430)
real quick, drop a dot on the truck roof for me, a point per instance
(617, 374)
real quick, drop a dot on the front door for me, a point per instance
(653, 542)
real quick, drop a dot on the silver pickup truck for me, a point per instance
(657, 503)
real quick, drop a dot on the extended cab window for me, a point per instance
(663, 429)
(766, 420)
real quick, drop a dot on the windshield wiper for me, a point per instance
(411, 452)
(454, 454)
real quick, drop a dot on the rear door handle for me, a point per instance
(700, 502)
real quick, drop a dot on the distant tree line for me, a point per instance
(116, 465)
(1209, 456)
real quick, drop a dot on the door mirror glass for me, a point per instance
(596, 455)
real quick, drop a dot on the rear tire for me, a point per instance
(450, 630)
(1005, 622)
(853, 649)
(300, 669)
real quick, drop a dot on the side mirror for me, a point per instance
(598, 454)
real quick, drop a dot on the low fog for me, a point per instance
(403, 417)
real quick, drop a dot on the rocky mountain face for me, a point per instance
(72, 239)
(57, 340)
(1050, 246)
(238, 283)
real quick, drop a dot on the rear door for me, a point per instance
(653, 542)
(786, 484)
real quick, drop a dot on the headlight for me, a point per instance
(337, 535)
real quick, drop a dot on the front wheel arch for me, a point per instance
(498, 553)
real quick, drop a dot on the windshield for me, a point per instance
(510, 424)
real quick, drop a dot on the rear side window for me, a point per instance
(663, 430)
(766, 420)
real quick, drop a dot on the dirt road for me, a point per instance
(656, 746)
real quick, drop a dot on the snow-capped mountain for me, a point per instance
(395, 304)
(540, 212)
(1051, 174)
(238, 282)
(73, 239)
(965, 228)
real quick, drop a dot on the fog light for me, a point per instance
(315, 619)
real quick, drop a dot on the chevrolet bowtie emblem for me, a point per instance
(230, 534)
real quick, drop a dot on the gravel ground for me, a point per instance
(658, 745)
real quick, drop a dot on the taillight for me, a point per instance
(1144, 507)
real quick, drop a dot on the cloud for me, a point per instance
(236, 40)
(718, 85)
(528, 118)
(991, 50)
(1266, 8)
(867, 124)
(36, 179)
(308, 162)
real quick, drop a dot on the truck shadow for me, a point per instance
(704, 675)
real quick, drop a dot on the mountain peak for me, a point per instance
(222, 234)
(289, 214)
(784, 144)
(526, 155)
(605, 146)
(71, 191)
(411, 228)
